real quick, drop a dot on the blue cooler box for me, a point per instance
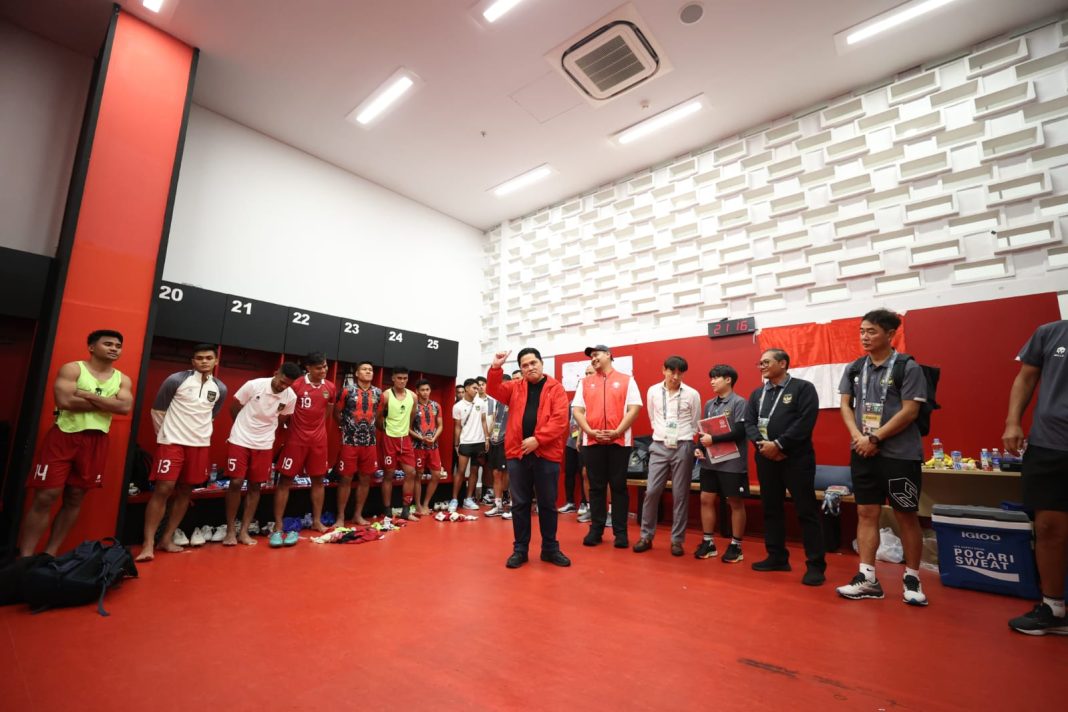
(986, 549)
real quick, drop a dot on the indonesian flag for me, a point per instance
(820, 353)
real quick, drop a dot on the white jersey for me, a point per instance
(257, 421)
(469, 415)
(189, 403)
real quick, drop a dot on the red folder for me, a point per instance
(718, 452)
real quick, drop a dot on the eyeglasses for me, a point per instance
(762, 364)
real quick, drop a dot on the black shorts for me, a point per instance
(727, 484)
(473, 450)
(495, 459)
(879, 479)
(1045, 478)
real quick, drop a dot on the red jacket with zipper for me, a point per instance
(551, 427)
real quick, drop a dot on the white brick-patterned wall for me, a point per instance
(946, 185)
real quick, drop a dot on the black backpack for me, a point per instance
(13, 577)
(931, 374)
(638, 463)
(79, 577)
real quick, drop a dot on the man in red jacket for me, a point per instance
(533, 446)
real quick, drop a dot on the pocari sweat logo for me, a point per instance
(992, 564)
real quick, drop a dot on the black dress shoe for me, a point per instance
(621, 542)
(516, 560)
(813, 577)
(555, 557)
(643, 545)
(771, 565)
(592, 539)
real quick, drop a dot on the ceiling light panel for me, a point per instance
(905, 13)
(523, 180)
(660, 121)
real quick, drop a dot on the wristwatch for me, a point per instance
(873, 439)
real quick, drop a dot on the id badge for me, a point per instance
(762, 426)
(671, 434)
(871, 418)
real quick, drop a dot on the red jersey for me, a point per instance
(308, 423)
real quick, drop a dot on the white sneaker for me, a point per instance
(452, 505)
(495, 512)
(470, 504)
(180, 538)
(566, 509)
(860, 587)
(506, 515)
(218, 533)
(198, 538)
(913, 594)
(583, 509)
(253, 527)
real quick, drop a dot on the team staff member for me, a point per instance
(355, 413)
(779, 423)
(74, 451)
(472, 437)
(604, 407)
(257, 409)
(426, 430)
(674, 409)
(887, 453)
(1045, 467)
(534, 444)
(305, 448)
(395, 418)
(182, 416)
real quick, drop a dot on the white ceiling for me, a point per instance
(294, 70)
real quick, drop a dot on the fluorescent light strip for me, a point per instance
(497, 10)
(893, 18)
(660, 121)
(153, 5)
(522, 181)
(385, 99)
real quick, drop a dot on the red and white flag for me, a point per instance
(820, 353)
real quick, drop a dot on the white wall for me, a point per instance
(815, 217)
(43, 88)
(258, 218)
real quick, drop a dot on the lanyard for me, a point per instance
(716, 406)
(869, 366)
(678, 410)
(782, 389)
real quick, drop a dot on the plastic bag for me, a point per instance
(890, 547)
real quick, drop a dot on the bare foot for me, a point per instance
(340, 523)
(146, 554)
(170, 547)
(230, 540)
(413, 517)
(361, 522)
(318, 526)
(423, 512)
(245, 539)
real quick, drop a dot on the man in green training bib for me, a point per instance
(395, 416)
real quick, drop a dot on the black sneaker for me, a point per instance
(516, 560)
(860, 587)
(813, 577)
(592, 539)
(733, 554)
(706, 550)
(555, 557)
(1040, 621)
(771, 565)
(621, 541)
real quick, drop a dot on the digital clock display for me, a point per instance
(730, 327)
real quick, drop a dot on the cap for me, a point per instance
(598, 347)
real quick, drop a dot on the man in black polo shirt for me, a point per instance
(1044, 362)
(880, 414)
(779, 421)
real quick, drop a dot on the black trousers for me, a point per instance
(572, 470)
(797, 474)
(606, 466)
(527, 476)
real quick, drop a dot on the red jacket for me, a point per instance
(551, 427)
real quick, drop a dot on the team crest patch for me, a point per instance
(326, 396)
(787, 398)
(211, 396)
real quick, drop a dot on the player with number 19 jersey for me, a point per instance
(305, 448)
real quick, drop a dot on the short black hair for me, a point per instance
(676, 363)
(364, 362)
(400, 371)
(206, 347)
(883, 318)
(722, 370)
(480, 379)
(291, 370)
(421, 382)
(779, 355)
(315, 358)
(97, 335)
(528, 350)
(519, 371)
(469, 382)
(505, 377)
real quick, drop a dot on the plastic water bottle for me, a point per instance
(939, 453)
(956, 456)
(214, 473)
(984, 460)
(995, 459)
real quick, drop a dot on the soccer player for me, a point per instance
(305, 449)
(426, 430)
(257, 409)
(472, 437)
(74, 451)
(495, 459)
(355, 413)
(182, 416)
(395, 417)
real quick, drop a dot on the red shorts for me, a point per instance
(303, 458)
(75, 459)
(245, 463)
(185, 460)
(357, 460)
(427, 460)
(397, 452)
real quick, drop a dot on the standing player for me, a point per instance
(395, 417)
(74, 451)
(182, 416)
(482, 477)
(305, 449)
(426, 430)
(258, 407)
(355, 413)
(495, 458)
(472, 438)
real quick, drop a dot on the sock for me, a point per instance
(708, 537)
(1056, 605)
(869, 572)
(497, 502)
(736, 541)
(912, 572)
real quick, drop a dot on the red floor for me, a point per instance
(430, 617)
